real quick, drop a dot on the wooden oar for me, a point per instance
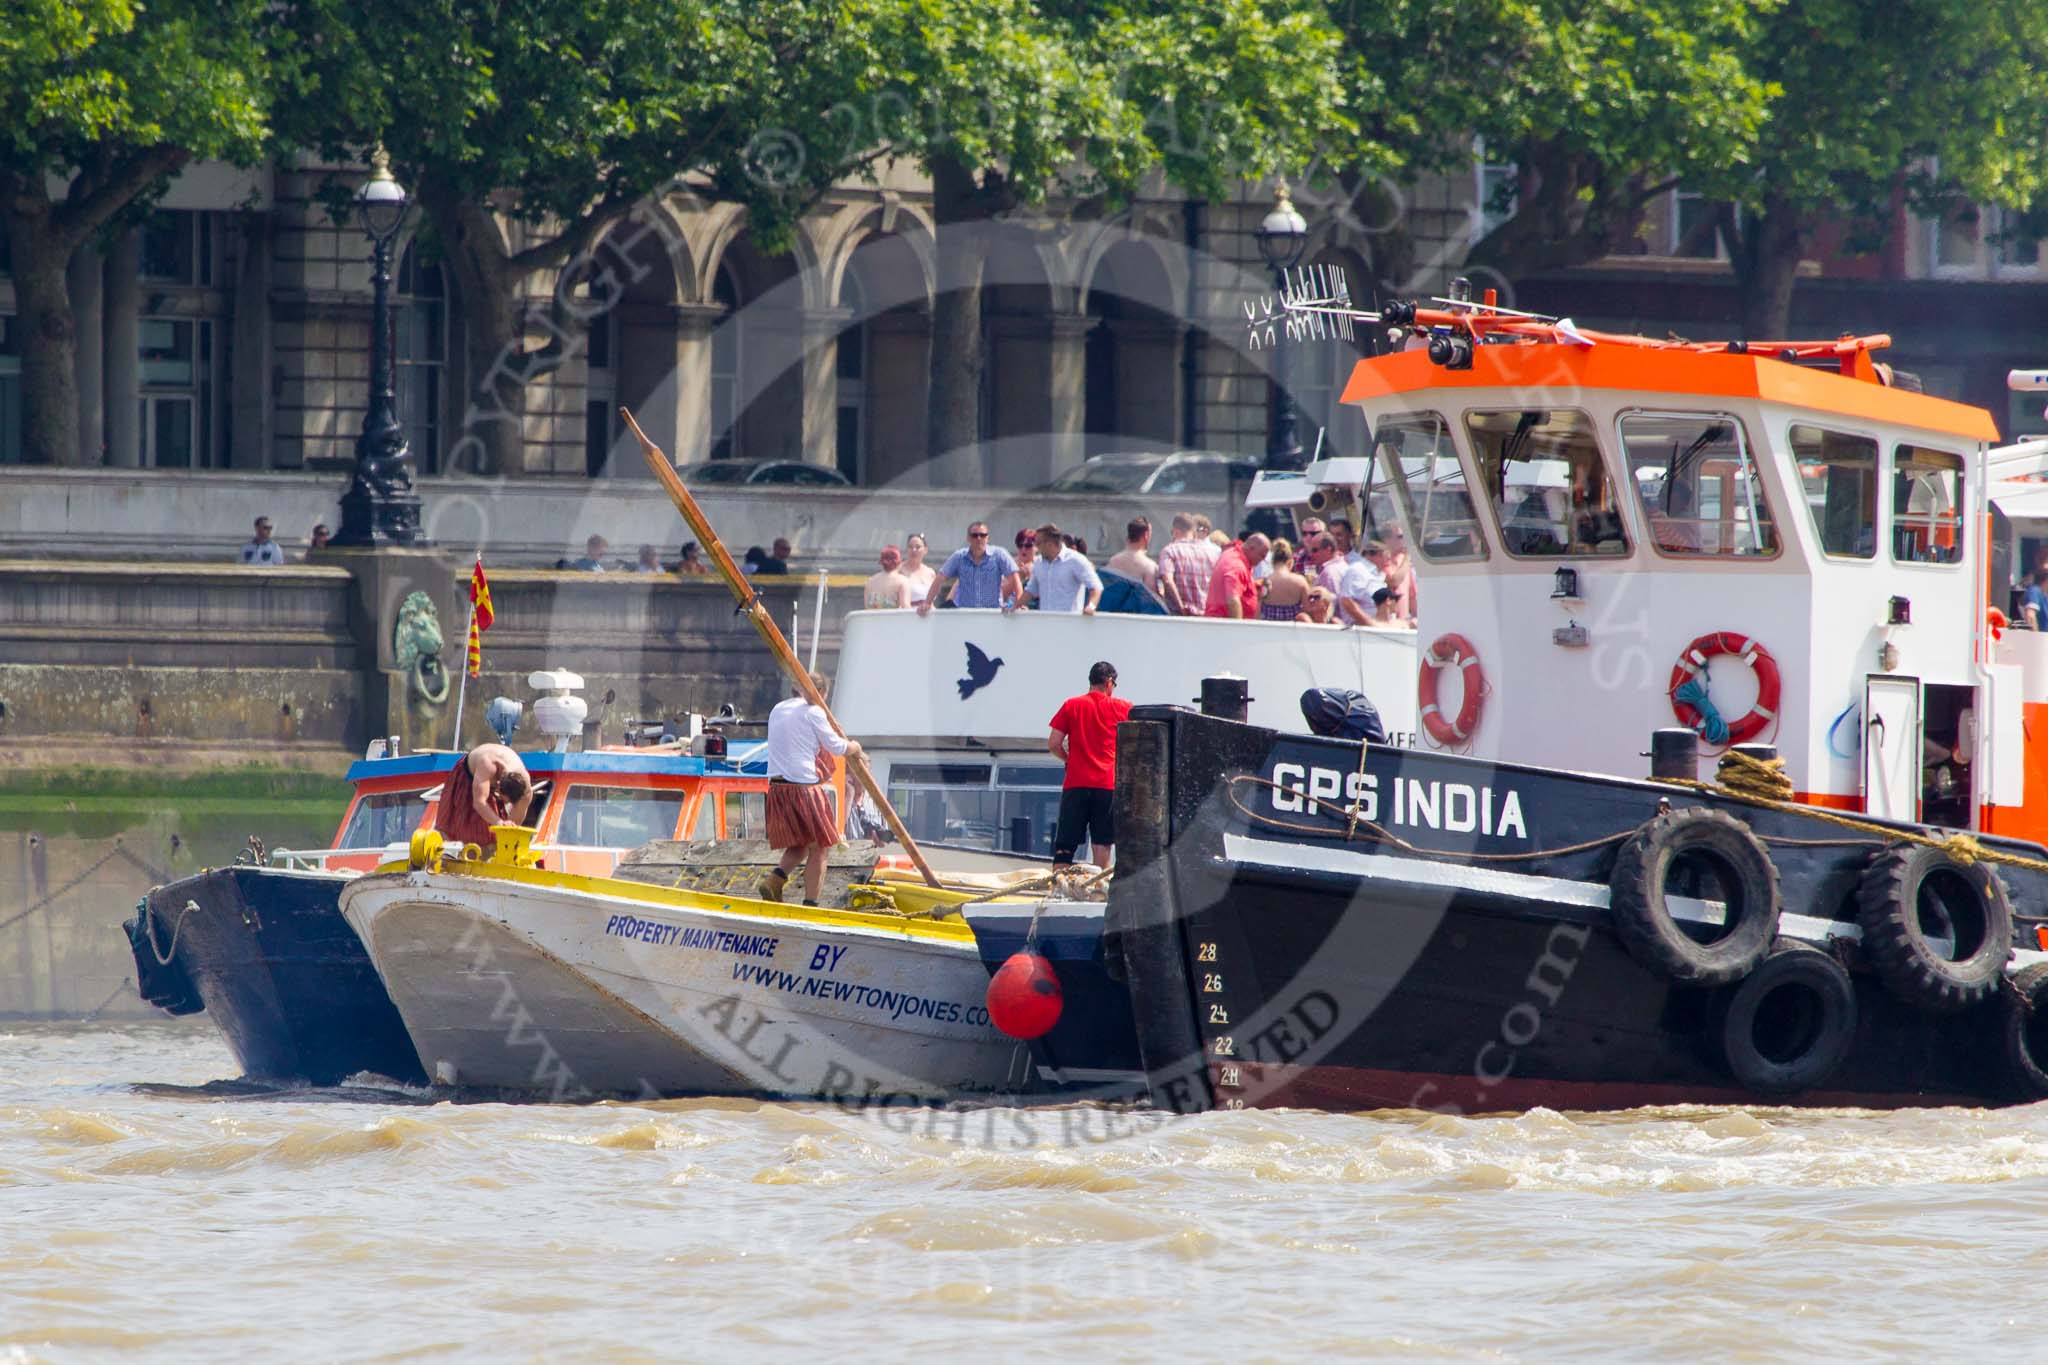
(751, 608)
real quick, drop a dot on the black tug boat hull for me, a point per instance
(1274, 961)
(267, 954)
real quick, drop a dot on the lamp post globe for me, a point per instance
(1282, 235)
(379, 506)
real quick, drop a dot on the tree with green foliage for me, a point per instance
(1600, 107)
(1872, 98)
(528, 130)
(107, 99)
(1009, 103)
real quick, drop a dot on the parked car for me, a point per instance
(787, 473)
(1198, 473)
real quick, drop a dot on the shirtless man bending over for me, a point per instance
(489, 786)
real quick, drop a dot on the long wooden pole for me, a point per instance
(751, 608)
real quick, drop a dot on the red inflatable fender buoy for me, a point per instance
(1024, 996)
(1451, 651)
(1693, 661)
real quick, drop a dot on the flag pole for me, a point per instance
(462, 688)
(764, 622)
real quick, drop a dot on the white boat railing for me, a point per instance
(316, 859)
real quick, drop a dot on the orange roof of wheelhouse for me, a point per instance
(1680, 373)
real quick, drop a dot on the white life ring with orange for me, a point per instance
(1693, 662)
(1447, 652)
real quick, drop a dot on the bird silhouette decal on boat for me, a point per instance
(981, 671)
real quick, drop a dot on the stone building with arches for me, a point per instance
(230, 331)
(246, 311)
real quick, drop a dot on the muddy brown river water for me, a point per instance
(146, 1213)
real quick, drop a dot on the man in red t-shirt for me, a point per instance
(1233, 592)
(1084, 734)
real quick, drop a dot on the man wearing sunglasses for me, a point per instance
(976, 575)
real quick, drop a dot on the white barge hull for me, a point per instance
(560, 989)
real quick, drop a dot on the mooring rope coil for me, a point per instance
(163, 956)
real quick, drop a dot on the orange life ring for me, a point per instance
(1451, 651)
(1693, 662)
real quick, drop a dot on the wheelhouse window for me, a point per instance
(1839, 473)
(1698, 484)
(617, 817)
(1415, 451)
(746, 815)
(383, 819)
(1541, 468)
(1927, 506)
(1007, 806)
(705, 826)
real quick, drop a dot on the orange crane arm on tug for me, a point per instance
(1480, 321)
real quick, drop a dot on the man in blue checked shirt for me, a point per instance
(976, 575)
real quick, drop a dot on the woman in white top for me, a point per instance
(921, 575)
(887, 588)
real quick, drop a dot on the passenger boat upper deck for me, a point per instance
(1774, 542)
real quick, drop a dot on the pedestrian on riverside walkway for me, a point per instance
(800, 824)
(1084, 734)
(594, 550)
(262, 550)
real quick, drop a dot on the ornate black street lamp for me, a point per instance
(1281, 236)
(380, 507)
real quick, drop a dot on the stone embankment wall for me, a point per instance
(530, 523)
(183, 665)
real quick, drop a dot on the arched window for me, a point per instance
(726, 351)
(420, 318)
(852, 367)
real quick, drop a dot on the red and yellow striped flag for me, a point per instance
(480, 616)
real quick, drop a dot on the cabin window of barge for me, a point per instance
(617, 817)
(1010, 806)
(1417, 451)
(1927, 501)
(1698, 484)
(1838, 471)
(382, 819)
(1542, 469)
(746, 815)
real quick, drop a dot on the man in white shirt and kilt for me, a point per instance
(801, 825)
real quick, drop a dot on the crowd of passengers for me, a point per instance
(1329, 579)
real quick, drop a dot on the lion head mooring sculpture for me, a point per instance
(416, 644)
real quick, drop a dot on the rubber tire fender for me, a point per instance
(1798, 966)
(2023, 1009)
(1643, 920)
(1887, 907)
